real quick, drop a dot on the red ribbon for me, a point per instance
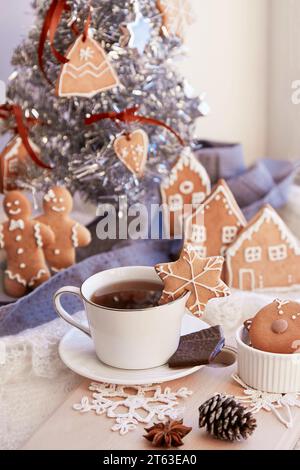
(51, 23)
(8, 110)
(130, 115)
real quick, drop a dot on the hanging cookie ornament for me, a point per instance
(86, 69)
(176, 16)
(20, 151)
(13, 160)
(132, 150)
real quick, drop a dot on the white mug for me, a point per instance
(127, 339)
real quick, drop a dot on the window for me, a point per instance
(197, 199)
(229, 234)
(13, 165)
(175, 202)
(187, 187)
(278, 253)
(200, 250)
(198, 234)
(253, 254)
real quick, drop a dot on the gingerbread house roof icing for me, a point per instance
(186, 160)
(266, 215)
(222, 192)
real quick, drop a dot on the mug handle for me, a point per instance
(63, 313)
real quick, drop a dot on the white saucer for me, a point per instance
(77, 352)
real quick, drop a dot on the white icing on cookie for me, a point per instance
(15, 277)
(296, 346)
(75, 240)
(49, 196)
(58, 209)
(16, 225)
(14, 211)
(2, 243)
(38, 276)
(38, 236)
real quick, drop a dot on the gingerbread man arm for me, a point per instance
(44, 235)
(81, 236)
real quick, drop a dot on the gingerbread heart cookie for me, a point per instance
(132, 150)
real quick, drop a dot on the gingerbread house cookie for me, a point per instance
(215, 224)
(187, 185)
(264, 255)
(13, 162)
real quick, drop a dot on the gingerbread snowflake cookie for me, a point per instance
(276, 328)
(23, 240)
(69, 234)
(200, 276)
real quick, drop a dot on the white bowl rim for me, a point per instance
(251, 350)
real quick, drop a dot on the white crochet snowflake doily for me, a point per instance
(141, 404)
(257, 401)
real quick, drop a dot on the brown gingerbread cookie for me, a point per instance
(69, 234)
(191, 273)
(23, 240)
(264, 255)
(276, 328)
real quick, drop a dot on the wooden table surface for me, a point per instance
(71, 430)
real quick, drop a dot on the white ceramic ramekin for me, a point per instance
(267, 372)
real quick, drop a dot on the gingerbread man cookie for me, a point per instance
(23, 240)
(276, 328)
(69, 234)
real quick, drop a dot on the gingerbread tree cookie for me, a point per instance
(87, 72)
(214, 225)
(69, 234)
(187, 185)
(200, 276)
(265, 254)
(24, 241)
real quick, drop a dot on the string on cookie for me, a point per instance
(52, 20)
(130, 115)
(21, 128)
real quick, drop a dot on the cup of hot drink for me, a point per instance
(129, 328)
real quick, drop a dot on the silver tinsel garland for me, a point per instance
(82, 156)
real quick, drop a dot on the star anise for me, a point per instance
(169, 434)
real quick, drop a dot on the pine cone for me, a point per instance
(226, 419)
(167, 434)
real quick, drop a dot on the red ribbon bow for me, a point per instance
(130, 115)
(52, 19)
(21, 128)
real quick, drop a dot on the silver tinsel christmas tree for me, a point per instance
(143, 55)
